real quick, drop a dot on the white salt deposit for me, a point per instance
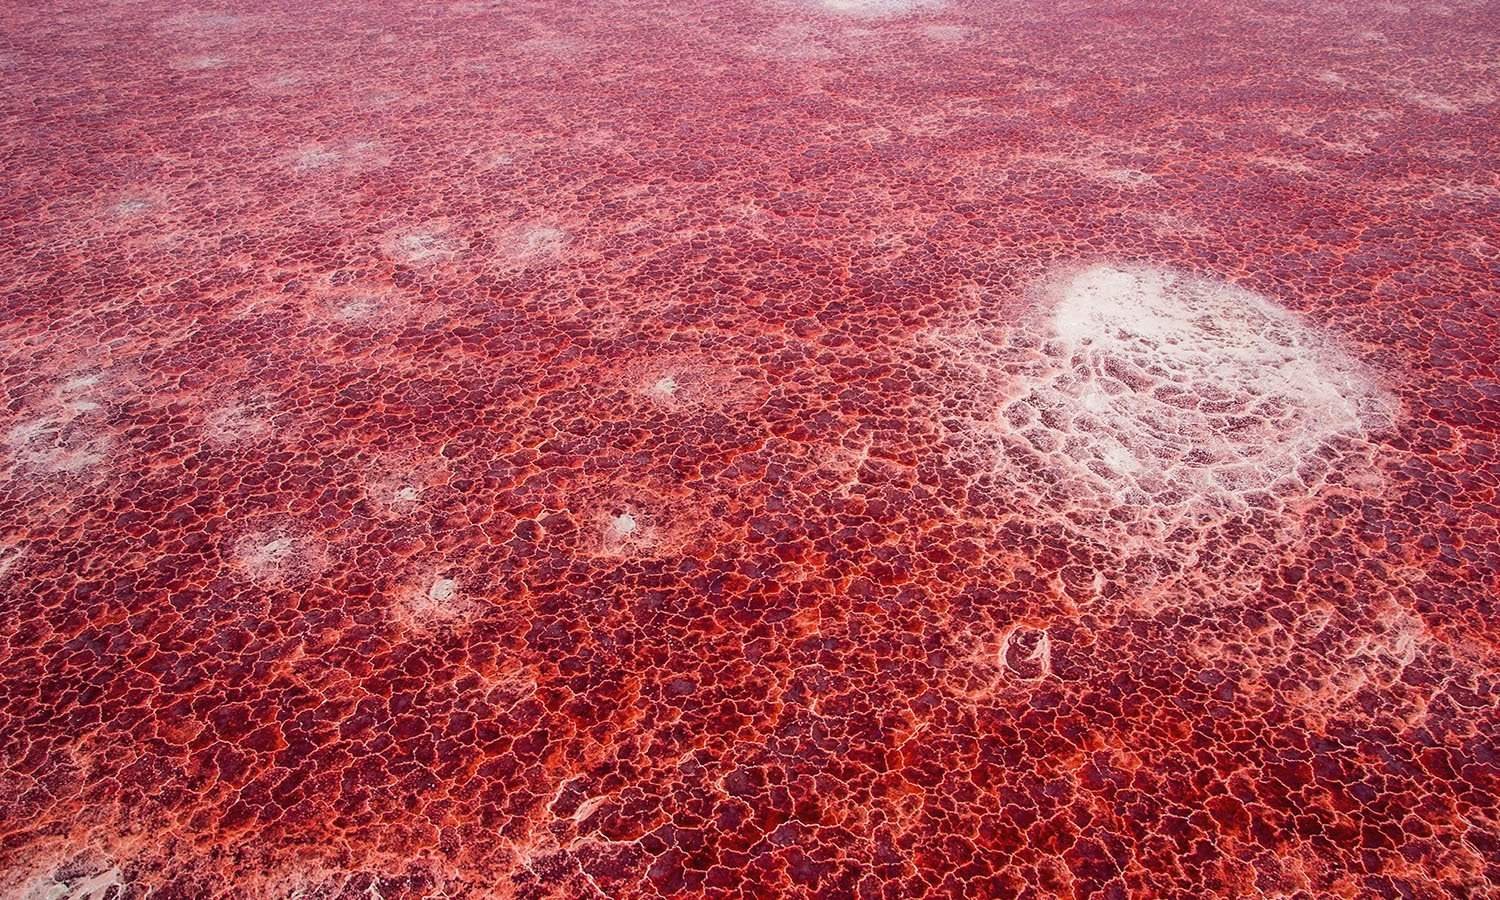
(627, 529)
(241, 422)
(69, 436)
(665, 386)
(434, 601)
(315, 158)
(103, 885)
(278, 555)
(442, 590)
(132, 206)
(1026, 653)
(357, 309)
(534, 244)
(265, 556)
(1175, 394)
(10, 557)
(423, 246)
(62, 443)
(688, 381)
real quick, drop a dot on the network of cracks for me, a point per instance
(842, 448)
(1173, 444)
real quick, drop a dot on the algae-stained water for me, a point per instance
(749, 448)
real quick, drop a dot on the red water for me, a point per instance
(672, 449)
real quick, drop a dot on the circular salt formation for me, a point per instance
(681, 382)
(434, 600)
(425, 245)
(533, 244)
(627, 529)
(442, 590)
(276, 556)
(664, 387)
(1176, 396)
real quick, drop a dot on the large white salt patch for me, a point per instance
(1177, 394)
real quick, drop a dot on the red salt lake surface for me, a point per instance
(762, 448)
